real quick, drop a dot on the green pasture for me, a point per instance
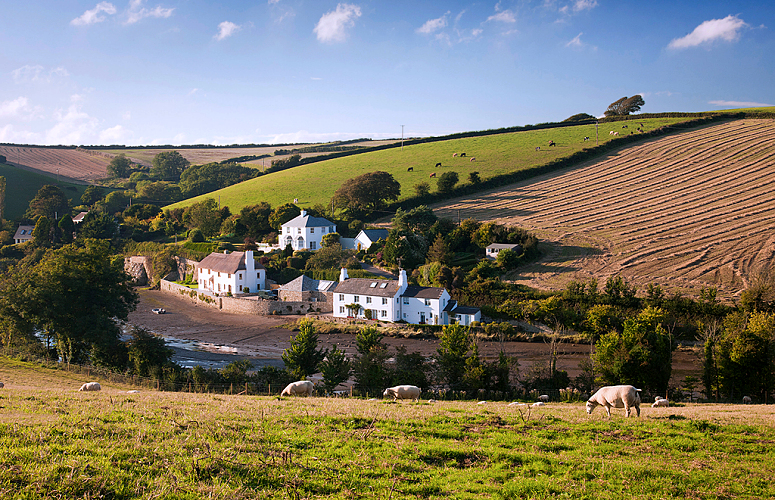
(765, 109)
(59, 443)
(23, 185)
(495, 154)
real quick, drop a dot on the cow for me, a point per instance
(438, 164)
(538, 148)
(551, 143)
(432, 175)
(473, 158)
(454, 155)
(410, 169)
(462, 155)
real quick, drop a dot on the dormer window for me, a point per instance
(383, 285)
(373, 285)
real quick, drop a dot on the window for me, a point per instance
(341, 297)
(258, 275)
(331, 229)
(229, 288)
(356, 299)
(240, 288)
(383, 285)
(384, 300)
(427, 302)
(406, 300)
(228, 275)
(383, 314)
(219, 287)
(368, 300)
(240, 276)
(311, 230)
(373, 285)
(298, 230)
(219, 274)
(341, 309)
(312, 245)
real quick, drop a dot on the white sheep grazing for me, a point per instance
(657, 398)
(517, 404)
(431, 401)
(615, 396)
(539, 403)
(482, 403)
(403, 392)
(661, 402)
(544, 398)
(298, 388)
(746, 399)
(90, 386)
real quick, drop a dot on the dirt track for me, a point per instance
(686, 211)
(263, 337)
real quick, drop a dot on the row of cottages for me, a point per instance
(235, 272)
(396, 300)
(305, 232)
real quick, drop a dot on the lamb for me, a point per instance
(661, 402)
(615, 396)
(403, 392)
(515, 403)
(298, 388)
(90, 386)
(544, 398)
(746, 399)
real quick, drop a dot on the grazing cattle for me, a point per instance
(462, 155)
(90, 386)
(615, 396)
(544, 398)
(624, 126)
(661, 402)
(403, 392)
(746, 399)
(432, 175)
(438, 164)
(538, 148)
(551, 143)
(586, 138)
(473, 158)
(616, 133)
(410, 169)
(454, 155)
(298, 388)
(611, 132)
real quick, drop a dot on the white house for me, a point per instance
(367, 237)
(305, 231)
(79, 218)
(491, 252)
(463, 315)
(221, 273)
(391, 300)
(23, 234)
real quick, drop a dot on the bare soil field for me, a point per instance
(266, 337)
(687, 211)
(69, 164)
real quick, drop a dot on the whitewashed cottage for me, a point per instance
(23, 234)
(305, 232)
(235, 273)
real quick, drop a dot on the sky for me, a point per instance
(144, 72)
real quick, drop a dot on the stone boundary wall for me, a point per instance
(237, 305)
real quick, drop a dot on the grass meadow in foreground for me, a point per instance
(58, 443)
(495, 155)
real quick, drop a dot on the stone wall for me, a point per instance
(139, 268)
(243, 305)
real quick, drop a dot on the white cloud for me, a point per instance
(332, 25)
(272, 2)
(192, 92)
(137, 12)
(93, 16)
(126, 115)
(113, 135)
(580, 5)
(316, 78)
(9, 134)
(226, 29)
(504, 16)
(13, 108)
(303, 136)
(740, 104)
(37, 74)
(433, 25)
(576, 42)
(727, 29)
(477, 32)
(73, 126)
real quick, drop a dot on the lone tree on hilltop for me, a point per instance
(367, 192)
(168, 165)
(625, 106)
(580, 117)
(120, 166)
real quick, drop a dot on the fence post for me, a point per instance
(231, 388)
(270, 390)
(246, 388)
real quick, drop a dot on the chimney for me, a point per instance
(402, 281)
(343, 275)
(250, 264)
(303, 213)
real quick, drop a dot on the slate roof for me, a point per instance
(306, 284)
(226, 263)
(465, 310)
(504, 246)
(423, 292)
(79, 218)
(308, 221)
(24, 233)
(376, 234)
(362, 286)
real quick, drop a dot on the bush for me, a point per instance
(196, 236)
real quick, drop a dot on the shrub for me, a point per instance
(196, 236)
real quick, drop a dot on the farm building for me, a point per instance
(223, 273)
(79, 218)
(394, 300)
(305, 289)
(463, 315)
(365, 239)
(305, 232)
(23, 234)
(491, 252)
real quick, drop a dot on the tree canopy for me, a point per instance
(447, 182)
(625, 106)
(580, 117)
(303, 357)
(49, 201)
(120, 166)
(169, 165)
(367, 192)
(201, 179)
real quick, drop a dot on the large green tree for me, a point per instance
(452, 354)
(369, 366)
(625, 106)
(201, 179)
(303, 357)
(283, 214)
(447, 182)
(168, 166)
(335, 368)
(368, 192)
(205, 216)
(50, 201)
(74, 297)
(253, 220)
(91, 195)
(120, 166)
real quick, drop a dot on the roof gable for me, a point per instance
(226, 262)
(367, 286)
(308, 221)
(423, 292)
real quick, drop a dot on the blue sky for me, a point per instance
(189, 71)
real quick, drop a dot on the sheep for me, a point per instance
(403, 392)
(544, 398)
(657, 398)
(482, 403)
(438, 164)
(616, 133)
(473, 158)
(615, 396)
(432, 175)
(624, 126)
(538, 403)
(90, 386)
(515, 403)
(431, 401)
(410, 169)
(454, 155)
(586, 138)
(611, 132)
(661, 402)
(298, 388)
(746, 399)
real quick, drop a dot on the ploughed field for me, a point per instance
(690, 210)
(77, 164)
(59, 443)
